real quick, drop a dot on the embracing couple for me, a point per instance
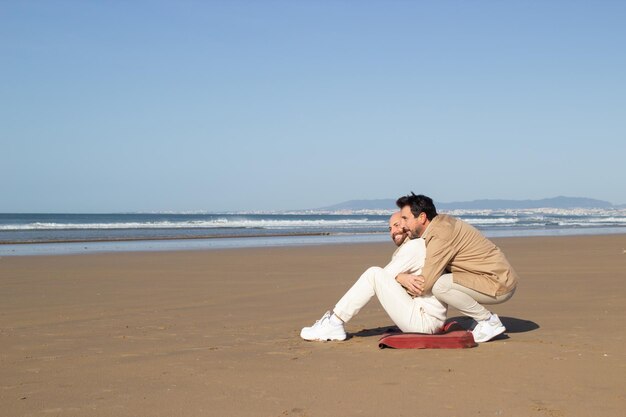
(441, 261)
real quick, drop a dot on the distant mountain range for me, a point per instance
(556, 202)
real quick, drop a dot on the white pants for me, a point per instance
(466, 300)
(407, 313)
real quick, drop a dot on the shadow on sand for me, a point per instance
(512, 324)
(377, 331)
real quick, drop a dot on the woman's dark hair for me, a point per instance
(419, 204)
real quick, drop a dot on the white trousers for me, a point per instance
(407, 313)
(466, 300)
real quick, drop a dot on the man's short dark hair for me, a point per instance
(419, 204)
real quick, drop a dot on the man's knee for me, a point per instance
(371, 273)
(373, 270)
(376, 275)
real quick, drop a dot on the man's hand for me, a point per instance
(414, 284)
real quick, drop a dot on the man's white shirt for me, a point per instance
(409, 259)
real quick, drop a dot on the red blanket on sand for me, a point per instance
(452, 336)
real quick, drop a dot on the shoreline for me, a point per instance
(194, 243)
(158, 238)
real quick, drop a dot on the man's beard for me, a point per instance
(412, 234)
(399, 238)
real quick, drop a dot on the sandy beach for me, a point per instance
(215, 333)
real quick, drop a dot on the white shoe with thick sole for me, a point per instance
(324, 330)
(488, 329)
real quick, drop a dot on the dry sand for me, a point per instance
(215, 333)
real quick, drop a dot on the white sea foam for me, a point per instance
(331, 223)
(608, 220)
(593, 222)
(491, 221)
(201, 224)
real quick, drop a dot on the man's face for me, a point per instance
(412, 225)
(396, 231)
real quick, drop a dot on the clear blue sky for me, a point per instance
(112, 106)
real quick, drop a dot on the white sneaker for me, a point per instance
(488, 329)
(324, 330)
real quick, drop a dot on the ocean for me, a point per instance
(27, 234)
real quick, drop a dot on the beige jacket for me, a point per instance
(475, 262)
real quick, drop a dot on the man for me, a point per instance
(422, 314)
(475, 271)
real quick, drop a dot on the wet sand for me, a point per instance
(215, 333)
